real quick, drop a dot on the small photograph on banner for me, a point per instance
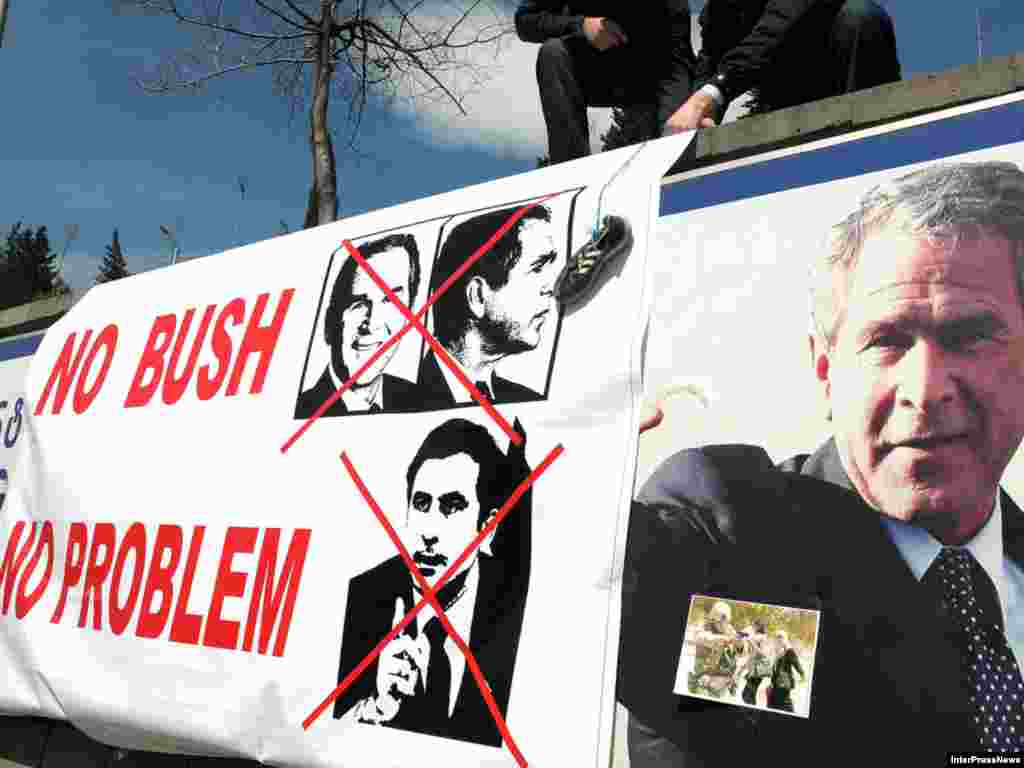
(749, 654)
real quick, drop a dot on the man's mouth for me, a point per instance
(931, 442)
(365, 346)
(433, 561)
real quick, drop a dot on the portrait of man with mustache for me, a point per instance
(359, 319)
(499, 307)
(455, 485)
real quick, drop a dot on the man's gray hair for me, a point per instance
(958, 201)
(722, 609)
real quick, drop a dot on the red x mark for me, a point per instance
(430, 596)
(414, 323)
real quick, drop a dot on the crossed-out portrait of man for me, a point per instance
(896, 529)
(455, 485)
(358, 320)
(500, 307)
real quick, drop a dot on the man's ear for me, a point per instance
(477, 294)
(485, 545)
(821, 365)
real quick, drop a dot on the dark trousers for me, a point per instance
(573, 75)
(750, 689)
(837, 47)
(780, 698)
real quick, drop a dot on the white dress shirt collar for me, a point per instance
(458, 390)
(919, 548)
(352, 399)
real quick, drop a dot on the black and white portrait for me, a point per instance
(355, 320)
(499, 319)
(455, 484)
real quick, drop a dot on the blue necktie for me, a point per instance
(993, 676)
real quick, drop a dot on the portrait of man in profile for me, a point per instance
(358, 320)
(454, 486)
(500, 307)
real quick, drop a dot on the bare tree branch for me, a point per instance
(196, 82)
(309, 19)
(285, 19)
(222, 28)
(395, 49)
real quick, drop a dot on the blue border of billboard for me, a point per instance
(22, 346)
(945, 136)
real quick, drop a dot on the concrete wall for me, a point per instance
(35, 743)
(34, 316)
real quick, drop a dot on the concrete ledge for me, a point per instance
(843, 114)
(34, 316)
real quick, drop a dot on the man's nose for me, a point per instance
(371, 321)
(926, 377)
(429, 541)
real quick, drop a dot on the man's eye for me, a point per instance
(449, 508)
(421, 502)
(962, 339)
(357, 308)
(887, 341)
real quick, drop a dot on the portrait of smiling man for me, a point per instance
(896, 528)
(455, 485)
(500, 307)
(359, 318)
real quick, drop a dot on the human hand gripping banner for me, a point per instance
(350, 497)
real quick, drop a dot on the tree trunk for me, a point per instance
(323, 198)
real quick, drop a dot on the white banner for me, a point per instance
(15, 355)
(203, 544)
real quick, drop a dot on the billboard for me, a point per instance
(852, 311)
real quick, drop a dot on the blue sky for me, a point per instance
(82, 144)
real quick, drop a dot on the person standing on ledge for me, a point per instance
(789, 52)
(596, 53)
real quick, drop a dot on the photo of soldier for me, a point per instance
(717, 648)
(768, 665)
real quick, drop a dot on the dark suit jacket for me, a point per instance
(493, 639)
(399, 395)
(437, 394)
(723, 521)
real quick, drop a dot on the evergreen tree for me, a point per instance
(29, 266)
(630, 125)
(114, 266)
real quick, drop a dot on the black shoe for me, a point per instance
(580, 277)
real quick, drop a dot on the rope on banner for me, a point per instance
(693, 388)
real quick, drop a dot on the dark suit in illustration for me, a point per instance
(723, 520)
(503, 581)
(436, 393)
(399, 395)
